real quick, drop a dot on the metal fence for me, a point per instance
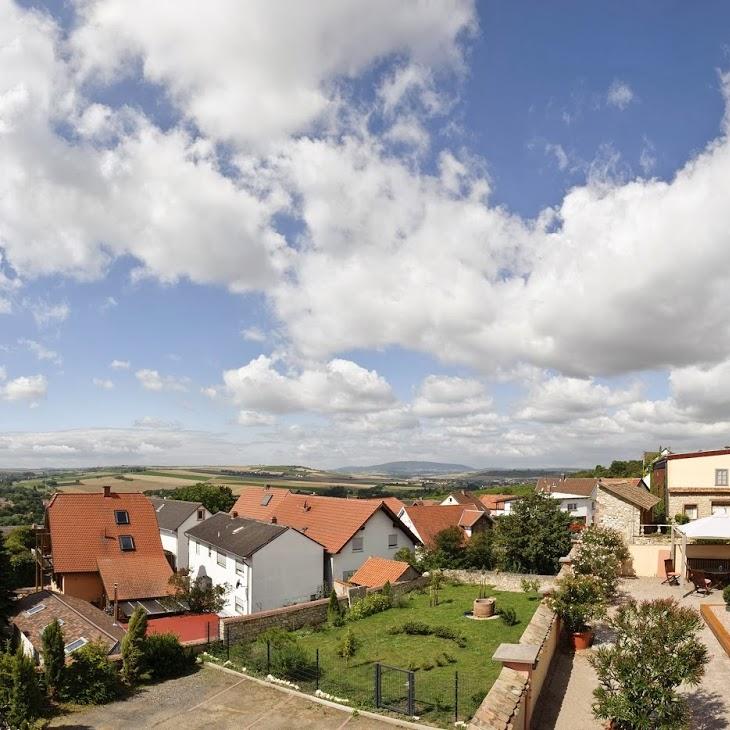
(440, 697)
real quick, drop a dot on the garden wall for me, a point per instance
(501, 581)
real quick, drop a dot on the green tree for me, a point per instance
(201, 595)
(656, 650)
(214, 497)
(5, 585)
(533, 537)
(478, 551)
(91, 679)
(54, 657)
(25, 693)
(405, 555)
(448, 549)
(348, 646)
(133, 647)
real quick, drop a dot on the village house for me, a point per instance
(695, 484)
(349, 529)
(575, 494)
(464, 499)
(266, 565)
(426, 521)
(105, 547)
(376, 572)
(498, 504)
(80, 622)
(174, 518)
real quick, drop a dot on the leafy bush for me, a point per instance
(348, 645)
(598, 561)
(508, 616)
(91, 679)
(165, 657)
(681, 518)
(369, 605)
(530, 585)
(25, 698)
(577, 599)
(606, 537)
(656, 650)
(419, 628)
(427, 666)
(54, 657)
(289, 660)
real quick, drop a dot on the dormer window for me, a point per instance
(126, 543)
(121, 516)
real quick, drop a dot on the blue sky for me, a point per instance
(492, 233)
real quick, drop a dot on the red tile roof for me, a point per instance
(466, 499)
(469, 517)
(633, 491)
(136, 576)
(375, 572)
(83, 529)
(331, 521)
(495, 501)
(430, 520)
(579, 486)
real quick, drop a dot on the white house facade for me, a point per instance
(174, 518)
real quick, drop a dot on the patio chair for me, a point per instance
(700, 581)
(672, 577)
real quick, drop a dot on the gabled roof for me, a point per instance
(697, 454)
(330, 521)
(83, 529)
(136, 576)
(466, 499)
(80, 619)
(240, 536)
(630, 490)
(429, 520)
(376, 572)
(469, 517)
(171, 513)
(496, 501)
(579, 486)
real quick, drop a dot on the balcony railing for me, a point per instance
(660, 529)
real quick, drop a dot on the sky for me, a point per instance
(493, 233)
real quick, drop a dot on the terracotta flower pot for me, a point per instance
(581, 639)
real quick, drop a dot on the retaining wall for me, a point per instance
(501, 581)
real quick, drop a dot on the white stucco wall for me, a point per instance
(203, 561)
(375, 543)
(290, 569)
(698, 471)
(169, 544)
(177, 542)
(584, 505)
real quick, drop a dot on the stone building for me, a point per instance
(624, 505)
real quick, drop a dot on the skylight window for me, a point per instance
(74, 645)
(126, 543)
(35, 609)
(121, 516)
(265, 500)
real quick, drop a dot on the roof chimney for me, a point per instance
(273, 520)
(234, 513)
(107, 491)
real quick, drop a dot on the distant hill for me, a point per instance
(407, 468)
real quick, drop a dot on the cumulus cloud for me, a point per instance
(120, 364)
(440, 396)
(620, 94)
(253, 334)
(152, 380)
(103, 383)
(26, 387)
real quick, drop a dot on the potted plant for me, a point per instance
(726, 597)
(577, 599)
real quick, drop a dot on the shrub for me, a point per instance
(726, 594)
(427, 666)
(54, 657)
(367, 606)
(133, 648)
(577, 599)
(419, 628)
(681, 518)
(530, 585)
(388, 592)
(348, 646)
(292, 662)
(606, 537)
(508, 616)
(654, 639)
(600, 562)
(91, 679)
(335, 611)
(479, 551)
(25, 694)
(165, 657)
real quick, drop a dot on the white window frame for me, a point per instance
(572, 506)
(240, 568)
(690, 510)
(721, 477)
(720, 508)
(220, 554)
(239, 605)
(358, 541)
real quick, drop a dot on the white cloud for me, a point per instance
(25, 387)
(620, 94)
(41, 351)
(46, 314)
(440, 396)
(152, 380)
(119, 364)
(103, 383)
(253, 334)
(252, 418)
(559, 153)
(6, 306)
(339, 386)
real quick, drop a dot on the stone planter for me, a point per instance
(483, 607)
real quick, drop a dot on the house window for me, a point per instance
(121, 516)
(240, 605)
(77, 644)
(690, 510)
(347, 574)
(572, 506)
(126, 543)
(240, 568)
(221, 559)
(721, 477)
(357, 544)
(393, 540)
(201, 514)
(721, 508)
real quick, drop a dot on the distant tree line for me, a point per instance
(214, 497)
(618, 469)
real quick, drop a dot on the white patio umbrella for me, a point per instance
(715, 527)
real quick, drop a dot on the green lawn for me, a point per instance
(434, 687)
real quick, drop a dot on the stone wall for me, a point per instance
(501, 581)
(619, 515)
(702, 498)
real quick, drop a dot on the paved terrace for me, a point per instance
(566, 699)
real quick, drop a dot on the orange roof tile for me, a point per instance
(83, 529)
(466, 499)
(376, 572)
(495, 501)
(331, 521)
(136, 576)
(430, 520)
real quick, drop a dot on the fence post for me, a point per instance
(411, 693)
(268, 657)
(317, 668)
(456, 697)
(377, 684)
